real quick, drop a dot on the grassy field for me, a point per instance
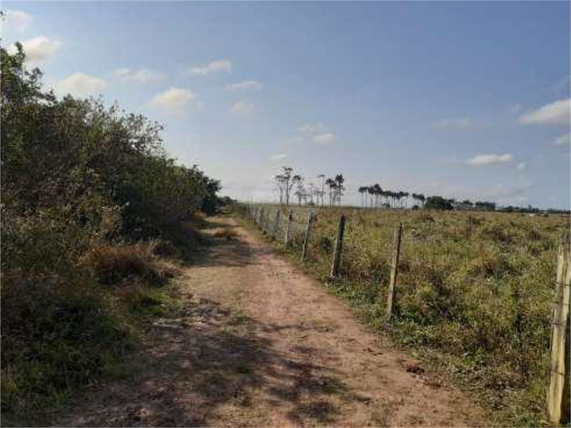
(473, 297)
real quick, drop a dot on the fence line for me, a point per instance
(558, 392)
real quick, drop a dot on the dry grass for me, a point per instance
(117, 264)
(225, 233)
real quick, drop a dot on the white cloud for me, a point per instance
(563, 140)
(454, 123)
(214, 67)
(17, 20)
(81, 84)
(555, 114)
(173, 99)
(242, 107)
(279, 157)
(324, 139)
(522, 166)
(142, 75)
(316, 133)
(489, 159)
(39, 48)
(310, 128)
(247, 85)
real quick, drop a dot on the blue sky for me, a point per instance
(462, 99)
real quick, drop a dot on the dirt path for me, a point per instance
(258, 343)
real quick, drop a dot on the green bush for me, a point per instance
(83, 186)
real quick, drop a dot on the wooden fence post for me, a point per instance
(267, 221)
(558, 395)
(261, 217)
(338, 247)
(288, 228)
(310, 221)
(394, 270)
(277, 221)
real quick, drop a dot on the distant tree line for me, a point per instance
(375, 197)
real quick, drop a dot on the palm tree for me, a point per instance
(331, 184)
(378, 191)
(322, 185)
(339, 188)
(362, 191)
(373, 194)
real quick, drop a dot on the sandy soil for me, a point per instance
(258, 343)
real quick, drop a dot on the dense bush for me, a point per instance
(81, 185)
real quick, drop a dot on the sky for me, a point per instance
(461, 99)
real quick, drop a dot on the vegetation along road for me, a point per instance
(255, 342)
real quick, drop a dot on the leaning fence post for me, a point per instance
(338, 247)
(394, 270)
(288, 228)
(277, 221)
(310, 221)
(558, 395)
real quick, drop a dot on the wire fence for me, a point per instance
(479, 286)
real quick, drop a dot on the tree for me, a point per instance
(338, 188)
(438, 203)
(300, 192)
(371, 192)
(331, 184)
(362, 191)
(322, 187)
(285, 182)
(377, 192)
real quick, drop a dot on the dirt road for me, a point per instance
(257, 343)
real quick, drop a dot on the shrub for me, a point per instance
(80, 184)
(114, 264)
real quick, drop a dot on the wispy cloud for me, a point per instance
(310, 128)
(316, 133)
(143, 75)
(522, 166)
(242, 107)
(221, 65)
(81, 84)
(563, 140)
(489, 159)
(324, 139)
(454, 123)
(556, 113)
(17, 20)
(279, 157)
(174, 100)
(247, 85)
(39, 49)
